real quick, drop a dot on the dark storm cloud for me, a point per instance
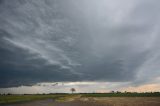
(17, 69)
(52, 40)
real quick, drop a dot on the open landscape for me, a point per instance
(80, 100)
(79, 52)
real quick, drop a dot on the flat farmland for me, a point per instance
(80, 100)
(112, 101)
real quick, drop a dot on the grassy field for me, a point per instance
(8, 99)
(94, 99)
(121, 95)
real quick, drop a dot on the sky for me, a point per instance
(92, 45)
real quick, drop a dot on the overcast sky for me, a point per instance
(105, 44)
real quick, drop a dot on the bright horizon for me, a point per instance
(81, 87)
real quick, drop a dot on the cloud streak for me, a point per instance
(51, 40)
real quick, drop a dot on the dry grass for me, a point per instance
(112, 101)
(129, 101)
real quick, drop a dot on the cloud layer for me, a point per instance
(51, 40)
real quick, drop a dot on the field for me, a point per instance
(156, 94)
(79, 100)
(10, 99)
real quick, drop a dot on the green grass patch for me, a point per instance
(9, 99)
(121, 95)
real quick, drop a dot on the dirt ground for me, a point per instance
(95, 101)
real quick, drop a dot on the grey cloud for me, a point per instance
(51, 40)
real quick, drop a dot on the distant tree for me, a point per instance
(118, 92)
(9, 94)
(112, 92)
(73, 90)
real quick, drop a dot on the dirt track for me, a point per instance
(115, 101)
